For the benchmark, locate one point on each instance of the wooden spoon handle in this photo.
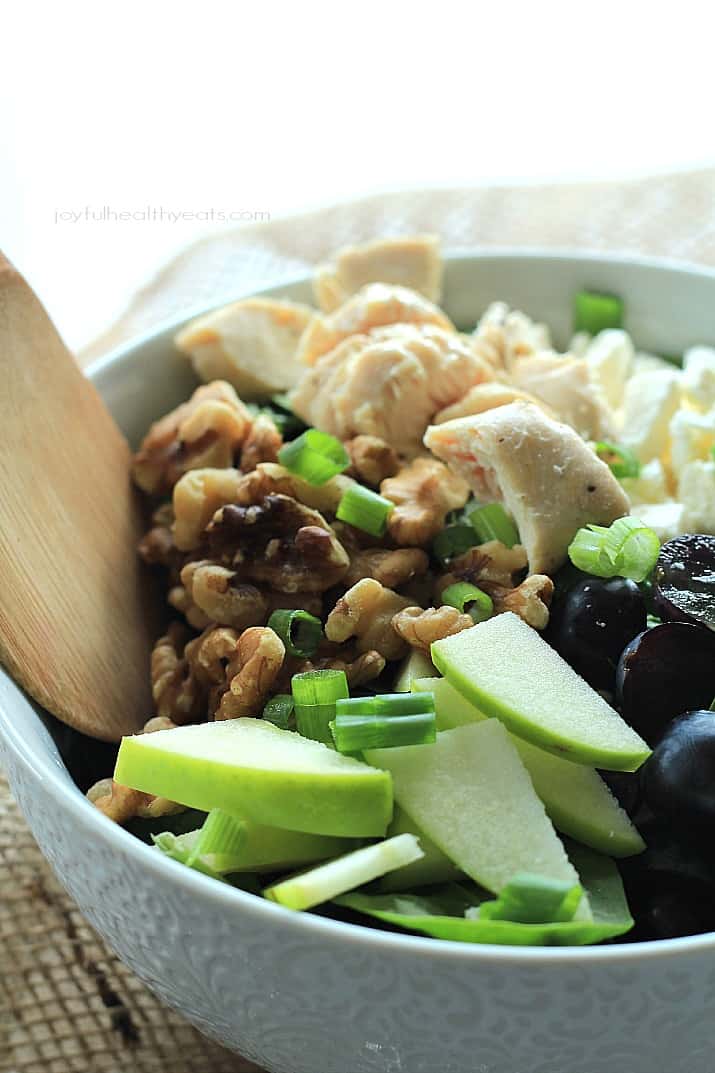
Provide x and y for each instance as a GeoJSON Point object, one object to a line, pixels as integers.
{"type": "Point", "coordinates": [74, 631]}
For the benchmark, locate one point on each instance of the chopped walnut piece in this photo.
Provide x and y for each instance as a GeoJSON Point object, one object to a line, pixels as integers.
{"type": "Point", "coordinates": [530, 600]}
{"type": "Point", "coordinates": [269, 478]}
{"type": "Point", "coordinates": [279, 542]}
{"type": "Point", "coordinates": [179, 597]}
{"type": "Point", "coordinates": [205, 431]}
{"type": "Point", "coordinates": [251, 673]}
{"type": "Point", "coordinates": [118, 803]}
{"type": "Point", "coordinates": [420, 628]}
{"type": "Point", "coordinates": [358, 671]}
{"type": "Point", "coordinates": [392, 567]}
{"type": "Point", "coordinates": [121, 804]}
{"type": "Point", "coordinates": [262, 444]}
{"type": "Point", "coordinates": [197, 497]}
{"type": "Point", "coordinates": [177, 694]}
{"type": "Point", "coordinates": [372, 460]}
{"type": "Point", "coordinates": [223, 599]}
{"type": "Point", "coordinates": [424, 492]}
{"type": "Point", "coordinates": [492, 561]}
{"type": "Point", "coordinates": [365, 612]}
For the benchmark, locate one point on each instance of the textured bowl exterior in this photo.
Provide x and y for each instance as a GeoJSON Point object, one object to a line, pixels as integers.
{"type": "Point", "coordinates": [302, 994]}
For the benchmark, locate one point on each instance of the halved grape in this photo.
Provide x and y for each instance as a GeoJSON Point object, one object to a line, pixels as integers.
{"type": "Point", "coordinates": [593, 622]}
{"type": "Point", "coordinates": [684, 579]}
{"type": "Point", "coordinates": [663, 672]}
{"type": "Point", "coordinates": [679, 776]}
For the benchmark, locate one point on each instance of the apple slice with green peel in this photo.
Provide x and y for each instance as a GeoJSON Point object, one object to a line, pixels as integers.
{"type": "Point", "coordinates": [415, 665]}
{"type": "Point", "coordinates": [433, 867]}
{"type": "Point", "coordinates": [576, 798]}
{"type": "Point", "coordinates": [254, 770]}
{"type": "Point", "coordinates": [261, 849]}
{"type": "Point", "coordinates": [508, 670]}
{"type": "Point", "coordinates": [471, 794]}
{"type": "Point", "coordinates": [336, 877]}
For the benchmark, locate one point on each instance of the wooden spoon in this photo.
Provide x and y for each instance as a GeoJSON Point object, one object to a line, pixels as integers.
{"type": "Point", "coordinates": [74, 631]}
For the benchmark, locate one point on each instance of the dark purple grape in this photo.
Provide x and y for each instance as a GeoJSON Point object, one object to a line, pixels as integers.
{"type": "Point", "coordinates": [593, 622]}
{"type": "Point", "coordinates": [663, 672]}
{"type": "Point", "coordinates": [684, 579]}
{"type": "Point", "coordinates": [679, 776]}
{"type": "Point", "coordinates": [674, 910]}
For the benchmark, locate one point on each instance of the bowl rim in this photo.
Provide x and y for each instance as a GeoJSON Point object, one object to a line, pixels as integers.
{"type": "Point", "coordinates": [225, 896]}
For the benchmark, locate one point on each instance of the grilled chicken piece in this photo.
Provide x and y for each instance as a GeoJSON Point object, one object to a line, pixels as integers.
{"type": "Point", "coordinates": [565, 385]}
{"type": "Point", "coordinates": [486, 397]}
{"type": "Point", "coordinates": [251, 343]}
{"type": "Point", "coordinates": [411, 261]}
{"type": "Point", "coordinates": [388, 384]}
{"type": "Point", "coordinates": [547, 477]}
{"type": "Point", "coordinates": [375, 306]}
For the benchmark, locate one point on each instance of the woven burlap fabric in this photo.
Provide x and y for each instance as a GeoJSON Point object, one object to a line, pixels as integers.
{"type": "Point", "coordinates": [66, 1004]}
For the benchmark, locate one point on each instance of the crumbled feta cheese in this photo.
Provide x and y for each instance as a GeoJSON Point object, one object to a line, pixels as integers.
{"type": "Point", "coordinates": [650, 363]}
{"type": "Point", "coordinates": [692, 436]}
{"type": "Point", "coordinates": [610, 356]}
{"type": "Point", "coordinates": [651, 399]}
{"type": "Point", "coordinates": [665, 519]}
{"type": "Point", "coordinates": [650, 486]}
{"type": "Point", "coordinates": [699, 377]}
{"type": "Point", "coordinates": [697, 491]}
{"type": "Point", "coordinates": [579, 344]}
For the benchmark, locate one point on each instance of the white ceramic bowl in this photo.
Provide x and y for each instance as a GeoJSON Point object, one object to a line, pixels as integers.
{"type": "Point", "coordinates": [304, 994]}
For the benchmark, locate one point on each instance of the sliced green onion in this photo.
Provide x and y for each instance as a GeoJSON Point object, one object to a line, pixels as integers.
{"type": "Point", "coordinates": [594, 312]}
{"type": "Point", "coordinates": [620, 460]}
{"type": "Point", "coordinates": [712, 451]}
{"type": "Point", "coordinates": [387, 705]}
{"type": "Point", "coordinates": [353, 733]}
{"type": "Point", "coordinates": [315, 456]}
{"type": "Point", "coordinates": [653, 620]}
{"type": "Point", "coordinates": [279, 710]}
{"type": "Point", "coordinates": [299, 631]}
{"type": "Point", "coordinates": [469, 598]}
{"type": "Point", "coordinates": [532, 899]}
{"type": "Point", "coordinates": [453, 541]}
{"type": "Point", "coordinates": [628, 548]}
{"type": "Point", "coordinates": [364, 509]}
{"type": "Point", "coordinates": [315, 694]}
{"type": "Point", "coordinates": [491, 522]}
{"type": "Point", "coordinates": [179, 848]}
{"type": "Point", "coordinates": [221, 836]}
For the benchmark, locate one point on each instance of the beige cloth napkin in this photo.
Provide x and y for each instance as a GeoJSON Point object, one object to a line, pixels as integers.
{"type": "Point", "coordinates": [66, 1004]}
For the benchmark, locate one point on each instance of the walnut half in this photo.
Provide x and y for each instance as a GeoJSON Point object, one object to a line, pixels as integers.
{"type": "Point", "coordinates": [365, 612]}
{"type": "Point", "coordinates": [423, 493]}
{"type": "Point", "coordinates": [251, 673]}
{"type": "Point", "coordinates": [420, 628]}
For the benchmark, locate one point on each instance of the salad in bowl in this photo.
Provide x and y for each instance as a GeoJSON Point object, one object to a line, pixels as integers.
{"type": "Point", "coordinates": [439, 651]}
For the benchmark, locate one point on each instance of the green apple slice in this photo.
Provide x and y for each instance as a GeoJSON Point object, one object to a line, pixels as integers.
{"type": "Point", "coordinates": [415, 665]}
{"type": "Point", "coordinates": [346, 873]}
{"type": "Point", "coordinates": [508, 670]}
{"type": "Point", "coordinates": [576, 798]}
{"type": "Point", "coordinates": [471, 794]}
{"type": "Point", "coordinates": [263, 849]}
{"type": "Point", "coordinates": [433, 867]}
{"type": "Point", "coordinates": [254, 770]}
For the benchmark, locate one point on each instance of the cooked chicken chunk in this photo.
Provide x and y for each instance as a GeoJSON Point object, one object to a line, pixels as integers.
{"type": "Point", "coordinates": [504, 335]}
{"type": "Point", "coordinates": [547, 477]}
{"type": "Point", "coordinates": [375, 306]}
{"type": "Point", "coordinates": [389, 384]}
{"type": "Point", "coordinates": [251, 343]}
{"type": "Point", "coordinates": [565, 385]}
{"type": "Point", "coordinates": [411, 261]}
{"type": "Point", "coordinates": [485, 397]}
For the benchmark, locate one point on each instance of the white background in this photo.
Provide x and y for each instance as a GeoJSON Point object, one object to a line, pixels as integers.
{"type": "Point", "coordinates": [275, 107]}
